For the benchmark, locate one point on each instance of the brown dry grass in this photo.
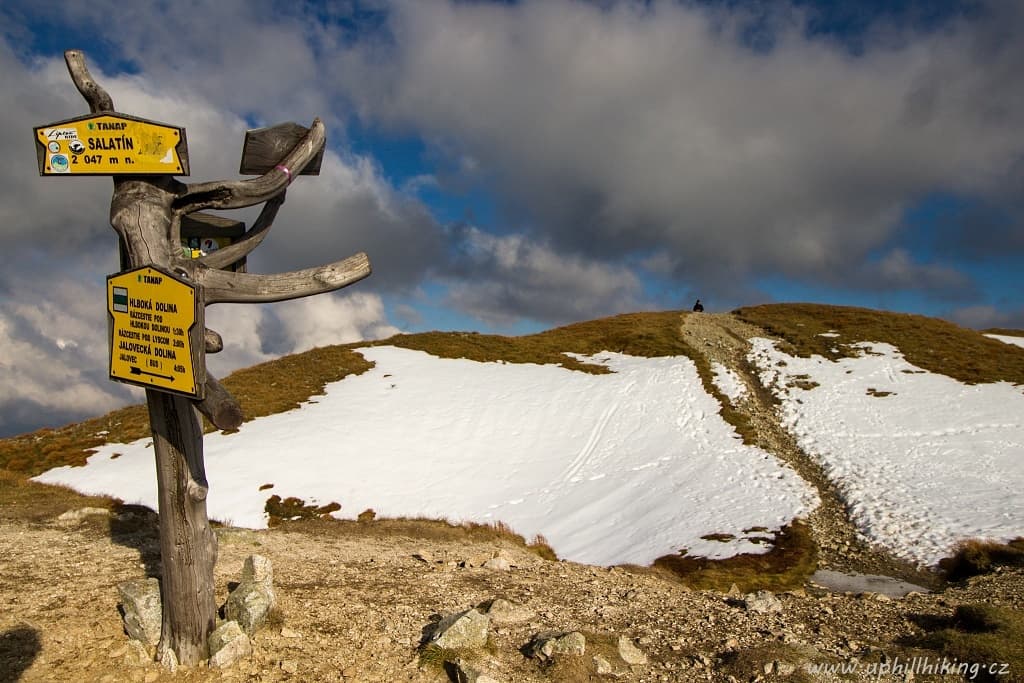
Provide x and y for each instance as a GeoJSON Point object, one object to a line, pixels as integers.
{"type": "Point", "coordinates": [637, 334]}
{"type": "Point", "coordinates": [295, 516]}
{"type": "Point", "coordinates": [929, 343]}
{"type": "Point", "coordinates": [974, 557]}
{"type": "Point", "coordinates": [32, 502]}
{"type": "Point", "coordinates": [265, 389]}
{"type": "Point", "coordinates": [792, 559]}
{"type": "Point", "coordinates": [987, 637]}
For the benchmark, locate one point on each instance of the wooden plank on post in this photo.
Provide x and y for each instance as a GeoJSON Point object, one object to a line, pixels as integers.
{"type": "Point", "coordinates": [265, 148]}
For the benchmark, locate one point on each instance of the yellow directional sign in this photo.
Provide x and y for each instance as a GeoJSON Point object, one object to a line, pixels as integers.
{"type": "Point", "coordinates": [111, 144]}
{"type": "Point", "coordinates": [156, 329]}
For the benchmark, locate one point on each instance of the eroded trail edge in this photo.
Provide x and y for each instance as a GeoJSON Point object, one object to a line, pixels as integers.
{"type": "Point", "coordinates": [723, 338]}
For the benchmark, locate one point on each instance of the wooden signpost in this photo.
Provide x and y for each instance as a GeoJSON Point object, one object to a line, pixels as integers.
{"type": "Point", "coordinates": [155, 306]}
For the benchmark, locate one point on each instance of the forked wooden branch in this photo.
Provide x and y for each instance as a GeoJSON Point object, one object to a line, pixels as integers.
{"type": "Point", "coordinates": [222, 286]}
{"type": "Point", "coordinates": [94, 94]}
{"type": "Point", "coordinates": [253, 237]}
{"type": "Point", "coordinates": [238, 194]}
{"type": "Point", "coordinates": [219, 406]}
{"type": "Point", "coordinates": [212, 341]}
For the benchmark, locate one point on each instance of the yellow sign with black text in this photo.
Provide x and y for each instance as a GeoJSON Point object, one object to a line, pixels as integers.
{"type": "Point", "coordinates": [111, 144]}
{"type": "Point", "coordinates": [156, 324]}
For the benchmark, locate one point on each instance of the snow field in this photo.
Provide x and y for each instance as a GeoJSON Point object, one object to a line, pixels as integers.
{"type": "Point", "coordinates": [616, 468]}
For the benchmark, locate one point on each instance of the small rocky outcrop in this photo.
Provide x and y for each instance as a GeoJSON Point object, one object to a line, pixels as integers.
{"type": "Point", "coordinates": [762, 602]}
{"type": "Point", "coordinates": [76, 516]}
{"type": "Point", "coordinates": [461, 631]}
{"type": "Point", "coordinates": [228, 644]}
{"type": "Point", "coordinates": [630, 653]}
{"type": "Point", "coordinates": [140, 600]}
{"type": "Point", "coordinates": [462, 672]}
{"type": "Point", "coordinates": [503, 612]}
{"type": "Point", "coordinates": [251, 602]}
{"type": "Point", "coordinates": [551, 644]}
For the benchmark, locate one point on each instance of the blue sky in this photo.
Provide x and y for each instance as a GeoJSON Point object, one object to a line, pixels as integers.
{"type": "Point", "coordinates": [512, 166]}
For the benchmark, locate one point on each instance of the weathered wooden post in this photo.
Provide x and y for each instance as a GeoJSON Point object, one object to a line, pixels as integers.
{"type": "Point", "coordinates": [155, 305]}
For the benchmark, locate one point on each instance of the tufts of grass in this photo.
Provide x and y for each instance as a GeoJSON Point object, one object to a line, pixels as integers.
{"type": "Point", "coordinates": [792, 559]}
{"type": "Point", "coordinates": [419, 528]}
{"type": "Point", "coordinates": [982, 635]}
{"type": "Point", "coordinates": [929, 343]}
{"type": "Point", "coordinates": [435, 657]}
{"type": "Point", "coordinates": [291, 509]}
{"type": "Point", "coordinates": [974, 557]}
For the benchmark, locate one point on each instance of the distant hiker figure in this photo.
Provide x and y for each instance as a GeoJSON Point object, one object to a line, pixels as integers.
{"type": "Point", "coordinates": [698, 307]}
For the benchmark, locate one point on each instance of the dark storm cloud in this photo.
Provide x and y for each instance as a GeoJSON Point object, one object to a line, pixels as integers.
{"type": "Point", "coordinates": [647, 127]}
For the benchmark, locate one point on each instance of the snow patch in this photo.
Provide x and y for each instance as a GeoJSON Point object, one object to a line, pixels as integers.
{"type": "Point", "coordinates": [1008, 339]}
{"type": "Point", "coordinates": [923, 460]}
{"type": "Point", "coordinates": [728, 382]}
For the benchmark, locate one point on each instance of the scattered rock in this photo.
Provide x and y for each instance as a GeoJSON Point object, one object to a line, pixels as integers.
{"type": "Point", "coordinates": [503, 612]}
{"type": "Point", "coordinates": [474, 561]}
{"type": "Point", "coordinates": [785, 669]}
{"type": "Point", "coordinates": [169, 660]}
{"type": "Point", "coordinates": [547, 645]}
{"type": "Point", "coordinates": [137, 654]}
{"type": "Point", "coordinates": [290, 666]}
{"type": "Point", "coordinates": [462, 630]}
{"type": "Point", "coordinates": [254, 597]}
{"type": "Point", "coordinates": [602, 666]}
{"type": "Point", "coordinates": [140, 600]}
{"type": "Point", "coordinates": [462, 672]}
{"type": "Point", "coordinates": [630, 653]}
{"type": "Point", "coordinates": [258, 569]}
{"type": "Point", "coordinates": [76, 516]}
{"type": "Point", "coordinates": [290, 633]}
{"type": "Point", "coordinates": [498, 564]}
{"type": "Point", "coordinates": [762, 602]}
{"type": "Point", "coordinates": [228, 644]}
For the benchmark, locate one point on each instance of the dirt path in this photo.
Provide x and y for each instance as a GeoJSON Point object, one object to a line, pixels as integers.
{"type": "Point", "coordinates": [723, 338]}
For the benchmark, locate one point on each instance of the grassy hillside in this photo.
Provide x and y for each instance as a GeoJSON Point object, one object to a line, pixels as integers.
{"type": "Point", "coordinates": [929, 343]}
{"type": "Point", "coordinates": [283, 384]}
{"type": "Point", "coordinates": [638, 334]}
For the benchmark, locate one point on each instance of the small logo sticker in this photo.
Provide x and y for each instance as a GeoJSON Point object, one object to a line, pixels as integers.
{"type": "Point", "coordinates": [76, 146]}
{"type": "Point", "coordinates": [59, 163]}
{"type": "Point", "coordinates": [61, 133]}
{"type": "Point", "coordinates": [53, 146]}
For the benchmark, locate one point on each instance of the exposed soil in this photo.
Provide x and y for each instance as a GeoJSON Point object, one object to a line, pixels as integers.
{"type": "Point", "coordinates": [354, 609]}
